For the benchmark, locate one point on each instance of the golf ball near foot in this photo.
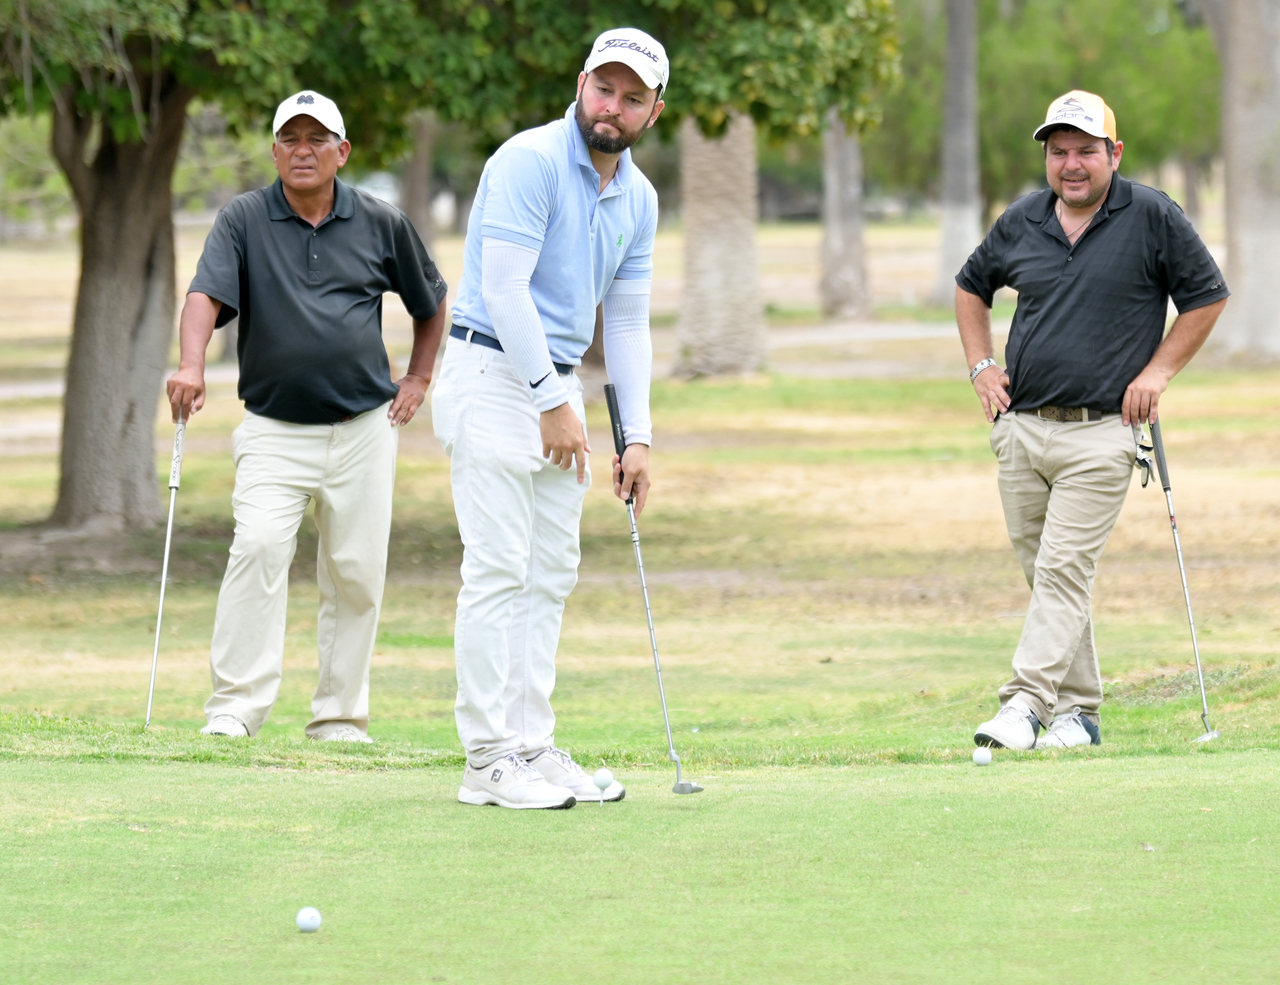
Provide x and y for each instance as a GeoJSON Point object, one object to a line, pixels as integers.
{"type": "Point", "coordinates": [982, 756]}
{"type": "Point", "coordinates": [603, 779]}
{"type": "Point", "coordinates": [308, 919]}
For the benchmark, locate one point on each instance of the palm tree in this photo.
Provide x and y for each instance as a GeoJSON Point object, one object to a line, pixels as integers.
{"type": "Point", "coordinates": [844, 271]}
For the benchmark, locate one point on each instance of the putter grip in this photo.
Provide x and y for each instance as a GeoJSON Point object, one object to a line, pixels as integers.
{"type": "Point", "coordinates": [1161, 464]}
{"type": "Point", "coordinates": [175, 468]}
{"type": "Point", "coordinates": [615, 419]}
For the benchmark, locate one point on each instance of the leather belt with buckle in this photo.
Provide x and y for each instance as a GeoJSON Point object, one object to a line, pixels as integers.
{"type": "Point", "coordinates": [1064, 414]}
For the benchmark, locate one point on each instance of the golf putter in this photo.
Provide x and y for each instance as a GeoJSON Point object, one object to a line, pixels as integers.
{"type": "Point", "coordinates": [620, 445]}
{"type": "Point", "coordinates": [175, 479]}
{"type": "Point", "coordinates": [1162, 465]}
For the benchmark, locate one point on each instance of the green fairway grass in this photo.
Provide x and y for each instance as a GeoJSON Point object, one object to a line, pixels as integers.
{"type": "Point", "coordinates": [1074, 869]}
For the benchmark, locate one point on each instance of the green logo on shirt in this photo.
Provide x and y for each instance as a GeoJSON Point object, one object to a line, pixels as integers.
{"type": "Point", "coordinates": [619, 239]}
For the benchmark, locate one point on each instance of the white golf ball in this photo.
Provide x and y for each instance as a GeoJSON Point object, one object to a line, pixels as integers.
{"type": "Point", "coordinates": [603, 779]}
{"type": "Point", "coordinates": [308, 919]}
{"type": "Point", "coordinates": [981, 756]}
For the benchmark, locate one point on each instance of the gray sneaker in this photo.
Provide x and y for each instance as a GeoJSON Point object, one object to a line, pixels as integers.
{"type": "Point", "coordinates": [559, 768]}
{"type": "Point", "coordinates": [1072, 729]}
{"type": "Point", "coordinates": [1014, 727]}
{"type": "Point", "coordinates": [511, 782]}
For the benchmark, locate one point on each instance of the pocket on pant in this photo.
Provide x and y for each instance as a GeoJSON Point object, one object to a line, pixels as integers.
{"type": "Point", "coordinates": [998, 436]}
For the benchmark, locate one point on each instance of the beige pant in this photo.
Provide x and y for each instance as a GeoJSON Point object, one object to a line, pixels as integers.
{"type": "Point", "coordinates": [349, 470]}
{"type": "Point", "coordinates": [1062, 486]}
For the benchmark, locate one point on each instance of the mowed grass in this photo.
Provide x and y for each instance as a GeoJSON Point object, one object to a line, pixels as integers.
{"type": "Point", "coordinates": [836, 602]}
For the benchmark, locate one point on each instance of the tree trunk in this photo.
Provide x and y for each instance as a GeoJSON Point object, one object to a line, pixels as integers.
{"type": "Point", "coordinates": [721, 326]}
{"type": "Point", "coordinates": [1191, 189]}
{"type": "Point", "coordinates": [1248, 37]}
{"type": "Point", "coordinates": [124, 316]}
{"type": "Point", "coordinates": [844, 270]}
{"type": "Point", "coordinates": [415, 188]}
{"type": "Point", "coordinates": [961, 193]}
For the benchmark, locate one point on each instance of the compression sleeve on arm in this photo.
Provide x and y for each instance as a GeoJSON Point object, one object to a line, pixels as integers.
{"type": "Point", "coordinates": [628, 355]}
{"type": "Point", "coordinates": [505, 272]}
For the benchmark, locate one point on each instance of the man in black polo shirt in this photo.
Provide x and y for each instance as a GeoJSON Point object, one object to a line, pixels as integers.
{"type": "Point", "coordinates": [1095, 259]}
{"type": "Point", "coordinates": [305, 263]}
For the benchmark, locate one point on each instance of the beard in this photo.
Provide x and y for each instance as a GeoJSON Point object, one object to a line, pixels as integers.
{"type": "Point", "coordinates": [598, 141]}
{"type": "Point", "coordinates": [1096, 192]}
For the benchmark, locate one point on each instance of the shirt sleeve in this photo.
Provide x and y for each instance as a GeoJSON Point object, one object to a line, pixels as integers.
{"type": "Point", "coordinates": [412, 272]}
{"type": "Point", "coordinates": [519, 197]}
{"type": "Point", "coordinates": [1190, 273]}
{"type": "Point", "coordinates": [984, 272]}
{"type": "Point", "coordinates": [218, 272]}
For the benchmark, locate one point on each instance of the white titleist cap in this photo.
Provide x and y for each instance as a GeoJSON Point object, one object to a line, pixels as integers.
{"type": "Point", "coordinates": [1085, 111]}
{"type": "Point", "coordinates": [308, 103]}
{"type": "Point", "coordinates": [638, 51]}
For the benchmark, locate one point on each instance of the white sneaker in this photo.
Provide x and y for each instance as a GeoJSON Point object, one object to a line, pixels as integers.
{"type": "Point", "coordinates": [1071, 730]}
{"type": "Point", "coordinates": [558, 767]}
{"type": "Point", "coordinates": [511, 782]}
{"type": "Point", "coordinates": [344, 733]}
{"type": "Point", "coordinates": [227, 725]}
{"type": "Point", "coordinates": [1014, 727]}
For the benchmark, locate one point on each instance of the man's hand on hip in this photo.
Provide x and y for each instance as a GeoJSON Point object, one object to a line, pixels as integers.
{"type": "Point", "coordinates": [992, 387]}
{"type": "Point", "coordinates": [1142, 398]}
{"type": "Point", "coordinates": [186, 391]}
{"type": "Point", "coordinates": [631, 475]}
{"type": "Point", "coordinates": [564, 439]}
{"type": "Point", "coordinates": [413, 390]}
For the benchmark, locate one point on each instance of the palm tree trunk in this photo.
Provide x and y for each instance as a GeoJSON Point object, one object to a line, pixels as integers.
{"type": "Point", "coordinates": [415, 188]}
{"type": "Point", "coordinates": [721, 325]}
{"type": "Point", "coordinates": [961, 194]}
{"type": "Point", "coordinates": [844, 270]}
{"type": "Point", "coordinates": [1248, 36]}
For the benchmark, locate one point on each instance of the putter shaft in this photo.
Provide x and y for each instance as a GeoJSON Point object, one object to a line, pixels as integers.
{"type": "Point", "coordinates": [175, 480]}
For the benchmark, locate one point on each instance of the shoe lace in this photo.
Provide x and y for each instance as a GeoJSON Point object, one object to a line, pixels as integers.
{"type": "Point", "coordinates": [523, 771]}
{"type": "Point", "coordinates": [1058, 724]}
{"type": "Point", "coordinates": [345, 731]}
{"type": "Point", "coordinates": [1012, 711]}
{"type": "Point", "coordinates": [565, 760]}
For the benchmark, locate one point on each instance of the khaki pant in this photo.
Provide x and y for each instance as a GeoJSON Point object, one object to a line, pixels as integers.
{"type": "Point", "coordinates": [349, 470]}
{"type": "Point", "coordinates": [1062, 486]}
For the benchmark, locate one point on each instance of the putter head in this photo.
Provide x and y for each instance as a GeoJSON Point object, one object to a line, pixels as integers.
{"type": "Point", "coordinates": [684, 786]}
{"type": "Point", "coordinates": [1209, 736]}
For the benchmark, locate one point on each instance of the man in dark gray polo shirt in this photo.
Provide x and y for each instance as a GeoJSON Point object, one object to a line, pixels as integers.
{"type": "Point", "coordinates": [305, 263]}
{"type": "Point", "coordinates": [1095, 259]}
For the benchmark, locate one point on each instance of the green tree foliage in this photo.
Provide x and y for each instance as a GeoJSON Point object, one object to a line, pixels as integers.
{"type": "Point", "coordinates": [1159, 74]}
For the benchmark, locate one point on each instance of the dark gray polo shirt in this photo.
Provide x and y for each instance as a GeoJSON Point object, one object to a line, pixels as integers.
{"type": "Point", "coordinates": [1090, 317]}
{"type": "Point", "coordinates": [310, 300]}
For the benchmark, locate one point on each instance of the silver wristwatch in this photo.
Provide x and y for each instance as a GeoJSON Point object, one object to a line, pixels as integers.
{"type": "Point", "coordinates": [985, 364]}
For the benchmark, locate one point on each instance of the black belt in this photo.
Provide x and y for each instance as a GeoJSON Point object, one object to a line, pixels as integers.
{"type": "Point", "coordinates": [1064, 414]}
{"type": "Point", "coordinates": [489, 342]}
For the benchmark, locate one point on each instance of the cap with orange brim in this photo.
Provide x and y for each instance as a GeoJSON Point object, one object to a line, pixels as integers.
{"type": "Point", "coordinates": [1085, 111]}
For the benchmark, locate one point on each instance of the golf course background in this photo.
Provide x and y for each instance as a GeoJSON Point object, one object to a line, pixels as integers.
{"type": "Point", "coordinates": [836, 602]}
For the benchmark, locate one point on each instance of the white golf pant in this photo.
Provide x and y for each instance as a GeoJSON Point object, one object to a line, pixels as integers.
{"type": "Point", "coordinates": [519, 517]}
{"type": "Point", "coordinates": [349, 470]}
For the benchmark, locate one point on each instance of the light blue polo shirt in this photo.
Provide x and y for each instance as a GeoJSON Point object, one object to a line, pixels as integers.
{"type": "Point", "coordinates": [540, 190]}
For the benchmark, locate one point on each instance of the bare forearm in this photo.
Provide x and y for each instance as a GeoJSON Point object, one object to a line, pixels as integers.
{"type": "Point", "coordinates": [426, 344]}
{"type": "Point", "coordinates": [1188, 334]}
{"type": "Point", "coordinates": [974, 318]}
{"type": "Point", "coordinates": [195, 329]}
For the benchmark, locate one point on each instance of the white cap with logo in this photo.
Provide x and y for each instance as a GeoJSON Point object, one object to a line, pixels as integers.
{"type": "Point", "coordinates": [314, 105]}
{"type": "Point", "coordinates": [640, 52]}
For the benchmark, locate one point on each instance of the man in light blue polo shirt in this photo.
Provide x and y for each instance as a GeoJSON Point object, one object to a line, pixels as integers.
{"type": "Point", "coordinates": [563, 224]}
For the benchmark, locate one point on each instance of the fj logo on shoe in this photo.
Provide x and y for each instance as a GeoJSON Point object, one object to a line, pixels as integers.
{"type": "Point", "coordinates": [496, 776]}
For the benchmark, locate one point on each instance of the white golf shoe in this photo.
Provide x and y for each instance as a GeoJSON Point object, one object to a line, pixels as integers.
{"type": "Point", "coordinates": [511, 782]}
{"type": "Point", "coordinates": [1068, 730]}
{"type": "Point", "coordinates": [559, 768]}
{"type": "Point", "coordinates": [343, 733]}
{"type": "Point", "coordinates": [1014, 727]}
{"type": "Point", "coordinates": [227, 725]}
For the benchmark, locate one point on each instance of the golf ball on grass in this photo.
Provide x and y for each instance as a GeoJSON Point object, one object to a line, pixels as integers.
{"type": "Point", "coordinates": [981, 756]}
{"type": "Point", "coordinates": [603, 779]}
{"type": "Point", "coordinates": [308, 919]}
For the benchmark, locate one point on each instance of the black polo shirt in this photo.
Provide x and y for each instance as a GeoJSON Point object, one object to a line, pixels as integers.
{"type": "Point", "coordinates": [1090, 317]}
{"type": "Point", "coordinates": [310, 299]}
